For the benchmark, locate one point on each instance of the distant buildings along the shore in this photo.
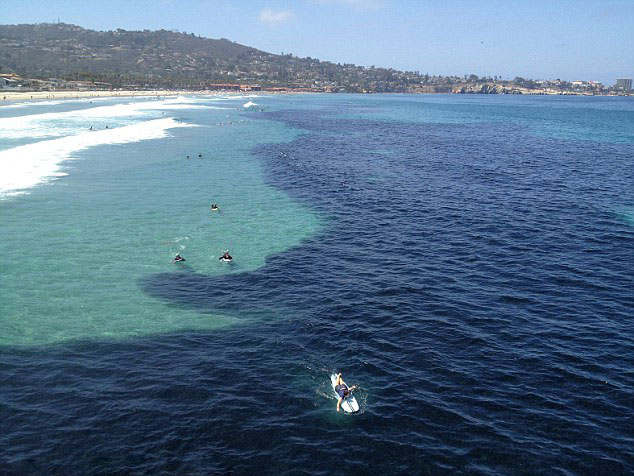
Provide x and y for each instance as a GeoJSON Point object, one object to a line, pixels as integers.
{"type": "Point", "coordinates": [624, 84]}
{"type": "Point", "coordinates": [471, 84]}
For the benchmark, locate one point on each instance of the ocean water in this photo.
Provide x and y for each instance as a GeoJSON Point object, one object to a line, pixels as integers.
{"type": "Point", "coordinates": [467, 261]}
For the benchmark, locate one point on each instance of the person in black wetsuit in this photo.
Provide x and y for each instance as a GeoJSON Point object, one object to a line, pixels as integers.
{"type": "Point", "coordinates": [214, 207]}
{"type": "Point", "coordinates": [178, 258]}
{"type": "Point", "coordinates": [342, 390]}
{"type": "Point", "coordinates": [226, 256]}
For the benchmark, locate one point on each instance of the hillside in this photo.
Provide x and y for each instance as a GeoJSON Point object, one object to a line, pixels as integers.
{"type": "Point", "coordinates": [174, 59]}
{"type": "Point", "coordinates": [62, 56]}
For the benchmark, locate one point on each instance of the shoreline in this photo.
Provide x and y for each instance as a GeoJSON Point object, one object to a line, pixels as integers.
{"type": "Point", "coordinates": [8, 97]}
{"type": "Point", "coordinates": [13, 96]}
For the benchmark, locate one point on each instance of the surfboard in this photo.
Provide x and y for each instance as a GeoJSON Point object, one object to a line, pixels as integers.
{"type": "Point", "coordinates": [349, 405]}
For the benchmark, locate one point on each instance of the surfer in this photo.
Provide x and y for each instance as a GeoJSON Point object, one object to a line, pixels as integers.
{"type": "Point", "coordinates": [214, 207]}
{"type": "Point", "coordinates": [226, 256]}
{"type": "Point", "coordinates": [342, 390]}
{"type": "Point", "coordinates": [178, 258]}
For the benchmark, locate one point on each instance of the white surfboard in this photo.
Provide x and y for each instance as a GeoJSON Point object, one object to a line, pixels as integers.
{"type": "Point", "coordinates": [349, 404]}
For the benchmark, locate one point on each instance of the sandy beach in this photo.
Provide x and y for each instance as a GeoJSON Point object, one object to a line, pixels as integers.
{"type": "Point", "coordinates": [10, 96]}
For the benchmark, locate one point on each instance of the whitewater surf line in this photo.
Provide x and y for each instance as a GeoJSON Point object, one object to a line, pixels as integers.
{"type": "Point", "coordinates": [28, 165]}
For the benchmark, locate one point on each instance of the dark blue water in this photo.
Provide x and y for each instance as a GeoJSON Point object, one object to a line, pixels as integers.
{"type": "Point", "coordinates": [475, 278]}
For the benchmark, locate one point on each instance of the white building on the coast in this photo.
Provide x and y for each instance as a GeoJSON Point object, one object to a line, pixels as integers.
{"type": "Point", "coordinates": [8, 83]}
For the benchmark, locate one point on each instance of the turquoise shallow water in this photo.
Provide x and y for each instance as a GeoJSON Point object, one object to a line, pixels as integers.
{"type": "Point", "coordinates": [80, 244]}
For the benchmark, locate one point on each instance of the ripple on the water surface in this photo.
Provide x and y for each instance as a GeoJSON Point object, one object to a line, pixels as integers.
{"type": "Point", "coordinates": [457, 289]}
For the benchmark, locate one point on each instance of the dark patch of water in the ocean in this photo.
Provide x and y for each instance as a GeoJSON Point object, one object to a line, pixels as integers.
{"type": "Point", "coordinates": [474, 279]}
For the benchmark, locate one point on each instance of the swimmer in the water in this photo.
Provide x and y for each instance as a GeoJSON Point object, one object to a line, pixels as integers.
{"type": "Point", "coordinates": [214, 207]}
{"type": "Point", "coordinates": [226, 256]}
{"type": "Point", "coordinates": [178, 258]}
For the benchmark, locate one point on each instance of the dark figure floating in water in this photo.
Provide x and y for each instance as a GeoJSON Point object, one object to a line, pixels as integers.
{"type": "Point", "coordinates": [214, 207]}
{"type": "Point", "coordinates": [226, 256]}
{"type": "Point", "coordinates": [178, 258]}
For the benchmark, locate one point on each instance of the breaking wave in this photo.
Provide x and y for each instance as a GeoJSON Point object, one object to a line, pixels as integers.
{"type": "Point", "coordinates": [28, 165]}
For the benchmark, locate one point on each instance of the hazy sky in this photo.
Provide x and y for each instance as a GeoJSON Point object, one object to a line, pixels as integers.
{"type": "Point", "coordinates": [567, 39]}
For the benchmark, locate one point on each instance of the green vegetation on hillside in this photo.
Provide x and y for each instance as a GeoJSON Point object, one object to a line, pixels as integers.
{"type": "Point", "coordinates": [56, 53]}
{"type": "Point", "coordinates": [174, 59]}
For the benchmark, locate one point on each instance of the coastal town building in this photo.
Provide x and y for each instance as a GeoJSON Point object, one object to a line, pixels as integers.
{"type": "Point", "coordinates": [624, 84]}
{"type": "Point", "coordinates": [9, 83]}
{"type": "Point", "coordinates": [4, 82]}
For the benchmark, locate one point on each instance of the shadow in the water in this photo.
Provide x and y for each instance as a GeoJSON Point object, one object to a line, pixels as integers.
{"type": "Point", "coordinates": [208, 293]}
{"type": "Point", "coordinates": [272, 288]}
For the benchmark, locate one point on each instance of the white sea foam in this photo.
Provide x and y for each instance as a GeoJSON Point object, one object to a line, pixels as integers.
{"type": "Point", "coordinates": [28, 165]}
{"type": "Point", "coordinates": [232, 97]}
{"type": "Point", "coordinates": [215, 98]}
{"type": "Point", "coordinates": [18, 105]}
{"type": "Point", "coordinates": [249, 104]}
{"type": "Point", "coordinates": [55, 124]}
